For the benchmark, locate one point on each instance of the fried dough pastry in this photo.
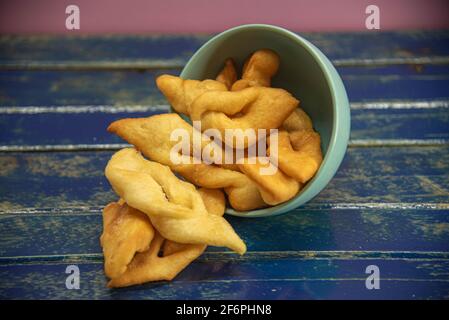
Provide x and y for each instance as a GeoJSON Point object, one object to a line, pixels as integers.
{"type": "Point", "coordinates": [148, 266]}
{"type": "Point", "coordinates": [299, 147]}
{"type": "Point", "coordinates": [228, 75]}
{"type": "Point", "coordinates": [151, 266]}
{"type": "Point", "coordinates": [174, 207]}
{"type": "Point", "coordinates": [214, 200]}
{"type": "Point", "coordinates": [274, 188]}
{"type": "Point", "coordinates": [161, 223]}
{"type": "Point", "coordinates": [152, 137]}
{"type": "Point", "coordinates": [209, 101]}
{"type": "Point", "coordinates": [250, 108]}
{"type": "Point", "coordinates": [181, 93]}
{"type": "Point", "coordinates": [298, 120]}
{"type": "Point", "coordinates": [258, 70]}
{"type": "Point", "coordinates": [215, 203]}
{"type": "Point", "coordinates": [125, 232]}
{"type": "Point", "coordinates": [299, 154]}
{"type": "Point", "coordinates": [299, 151]}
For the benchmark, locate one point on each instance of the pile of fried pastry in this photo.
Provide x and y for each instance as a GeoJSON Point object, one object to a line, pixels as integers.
{"type": "Point", "coordinates": [167, 213]}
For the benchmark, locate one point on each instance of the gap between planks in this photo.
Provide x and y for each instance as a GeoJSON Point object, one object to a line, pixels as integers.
{"type": "Point", "coordinates": [356, 143]}
{"type": "Point", "coordinates": [96, 210]}
{"type": "Point", "coordinates": [379, 105]}
{"type": "Point", "coordinates": [151, 64]}
{"type": "Point", "coordinates": [95, 258]}
{"type": "Point", "coordinates": [113, 109]}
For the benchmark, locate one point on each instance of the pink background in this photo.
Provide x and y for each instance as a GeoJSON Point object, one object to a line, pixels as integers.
{"type": "Point", "coordinates": [176, 16]}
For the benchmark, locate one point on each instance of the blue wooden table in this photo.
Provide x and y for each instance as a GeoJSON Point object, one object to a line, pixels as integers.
{"type": "Point", "coordinates": [387, 206]}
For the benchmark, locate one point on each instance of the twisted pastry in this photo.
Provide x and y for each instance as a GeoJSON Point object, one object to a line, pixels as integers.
{"type": "Point", "coordinates": [299, 147]}
{"type": "Point", "coordinates": [251, 108]}
{"type": "Point", "coordinates": [174, 207]}
{"type": "Point", "coordinates": [181, 93]}
{"type": "Point", "coordinates": [274, 187]}
{"type": "Point", "coordinates": [125, 232]}
{"type": "Point", "coordinates": [228, 75]}
{"type": "Point", "coordinates": [209, 101]}
{"type": "Point", "coordinates": [258, 70]}
{"type": "Point", "coordinates": [148, 265]}
{"type": "Point", "coordinates": [299, 151]}
{"type": "Point", "coordinates": [152, 136]}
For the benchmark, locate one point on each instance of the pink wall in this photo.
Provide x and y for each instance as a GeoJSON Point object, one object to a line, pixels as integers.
{"type": "Point", "coordinates": [165, 16]}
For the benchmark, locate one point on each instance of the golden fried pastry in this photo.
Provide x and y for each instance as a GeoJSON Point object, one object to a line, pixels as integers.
{"type": "Point", "coordinates": [152, 137]}
{"type": "Point", "coordinates": [300, 162]}
{"type": "Point", "coordinates": [299, 147]}
{"type": "Point", "coordinates": [258, 70]}
{"type": "Point", "coordinates": [174, 207]}
{"type": "Point", "coordinates": [301, 165]}
{"type": "Point", "coordinates": [181, 93]}
{"type": "Point", "coordinates": [251, 108]}
{"type": "Point", "coordinates": [299, 154]}
{"type": "Point", "coordinates": [275, 187]}
{"type": "Point", "coordinates": [161, 223]}
{"type": "Point", "coordinates": [125, 232]}
{"type": "Point", "coordinates": [243, 194]}
{"type": "Point", "coordinates": [215, 203]}
{"type": "Point", "coordinates": [208, 101]}
{"type": "Point", "coordinates": [214, 200]}
{"type": "Point", "coordinates": [228, 75]}
{"type": "Point", "coordinates": [298, 120]}
{"type": "Point", "coordinates": [150, 266]}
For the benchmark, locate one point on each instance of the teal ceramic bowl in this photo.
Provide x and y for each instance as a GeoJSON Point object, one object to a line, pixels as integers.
{"type": "Point", "coordinates": [306, 73]}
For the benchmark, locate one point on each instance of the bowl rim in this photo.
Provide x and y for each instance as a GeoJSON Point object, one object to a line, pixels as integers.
{"type": "Point", "coordinates": [340, 121]}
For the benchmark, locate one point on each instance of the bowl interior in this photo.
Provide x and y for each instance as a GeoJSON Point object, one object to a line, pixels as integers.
{"type": "Point", "coordinates": [300, 73]}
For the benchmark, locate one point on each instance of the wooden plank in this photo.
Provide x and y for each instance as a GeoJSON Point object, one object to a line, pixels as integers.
{"type": "Point", "coordinates": [404, 123]}
{"type": "Point", "coordinates": [60, 235]}
{"type": "Point", "coordinates": [174, 50]}
{"type": "Point", "coordinates": [55, 88]}
{"type": "Point", "coordinates": [64, 88]}
{"type": "Point", "coordinates": [261, 279]}
{"type": "Point", "coordinates": [158, 48]}
{"type": "Point", "coordinates": [367, 175]}
{"type": "Point", "coordinates": [63, 127]}
{"type": "Point", "coordinates": [393, 87]}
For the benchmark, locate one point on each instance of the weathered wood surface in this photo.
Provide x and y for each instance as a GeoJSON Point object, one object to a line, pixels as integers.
{"type": "Point", "coordinates": [142, 52]}
{"type": "Point", "coordinates": [262, 278]}
{"type": "Point", "coordinates": [388, 204]}
{"type": "Point", "coordinates": [47, 88]}
{"type": "Point", "coordinates": [61, 235]}
{"type": "Point", "coordinates": [377, 175]}
{"type": "Point", "coordinates": [43, 126]}
{"type": "Point", "coordinates": [367, 175]}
